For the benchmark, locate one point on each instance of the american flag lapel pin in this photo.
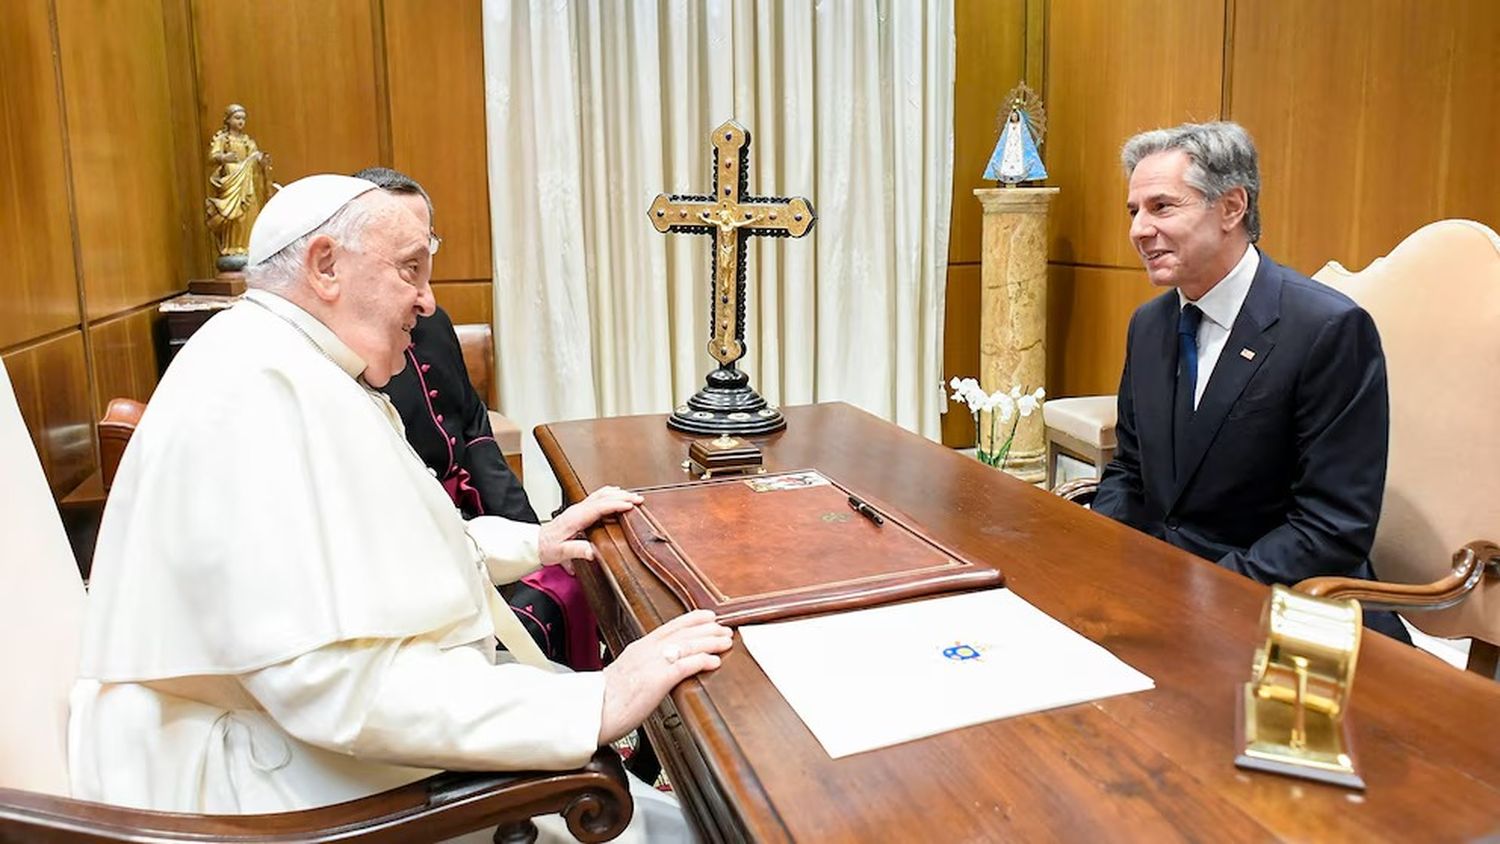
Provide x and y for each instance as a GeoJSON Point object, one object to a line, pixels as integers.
{"type": "Point", "coordinates": [1247, 353]}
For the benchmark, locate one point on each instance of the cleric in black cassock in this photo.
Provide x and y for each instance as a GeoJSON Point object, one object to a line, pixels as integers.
{"type": "Point", "coordinates": [448, 426]}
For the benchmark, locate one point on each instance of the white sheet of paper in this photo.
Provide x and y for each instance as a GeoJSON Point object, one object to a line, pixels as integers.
{"type": "Point", "coordinates": [873, 678]}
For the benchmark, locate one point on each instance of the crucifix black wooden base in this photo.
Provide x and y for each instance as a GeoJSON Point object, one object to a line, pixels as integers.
{"type": "Point", "coordinates": [728, 213]}
{"type": "Point", "coordinates": [727, 404]}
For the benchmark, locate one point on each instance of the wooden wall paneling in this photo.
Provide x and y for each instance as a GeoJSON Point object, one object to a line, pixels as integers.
{"type": "Point", "coordinates": [960, 347]}
{"type": "Point", "coordinates": [1036, 45]}
{"type": "Point", "coordinates": [1088, 316]}
{"type": "Point", "coordinates": [52, 388]}
{"type": "Point", "coordinates": [435, 75]}
{"type": "Point", "coordinates": [1473, 107]}
{"type": "Point", "coordinates": [1114, 69]}
{"type": "Point", "coordinates": [465, 301]}
{"type": "Point", "coordinates": [305, 73]}
{"type": "Point", "coordinates": [189, 143]}
{"type": "Point", "coordinates": [989, 59]}
{"type": "Point", "coordinates": [119, 119]}
{"type": "Point", "coordinates": [126, 356]}
{"type": "Point", "coordinates": [40, 278]}
{"type": "Point", "coordinates": [1371, 121]}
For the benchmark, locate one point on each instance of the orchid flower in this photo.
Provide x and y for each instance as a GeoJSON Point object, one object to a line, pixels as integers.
{"type": "Point", "coordinates": [1004, 407]}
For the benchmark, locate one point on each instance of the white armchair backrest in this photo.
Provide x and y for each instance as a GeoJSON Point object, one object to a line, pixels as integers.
{"type": "Point", "coordinates": [41, 614]}
{"type": "Point", "coordinates": [1436, 301]}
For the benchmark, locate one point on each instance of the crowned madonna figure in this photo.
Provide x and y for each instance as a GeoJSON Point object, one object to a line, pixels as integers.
{"type": "Point", "coordinates": [1015, 158]}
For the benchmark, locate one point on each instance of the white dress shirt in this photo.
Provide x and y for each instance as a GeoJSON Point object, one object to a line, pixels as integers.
{"type": "Point", "coordinates": [1220, 305]}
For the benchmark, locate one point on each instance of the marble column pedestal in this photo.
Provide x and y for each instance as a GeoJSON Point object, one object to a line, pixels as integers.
{"type": "Point", "coordinates": [1013, 313]}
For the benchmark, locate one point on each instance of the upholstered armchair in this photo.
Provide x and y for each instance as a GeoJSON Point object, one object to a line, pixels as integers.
{"type": "Point", "coordinates": [1436, 300]}
{"type": "Point", "coordinates": [42, 603]}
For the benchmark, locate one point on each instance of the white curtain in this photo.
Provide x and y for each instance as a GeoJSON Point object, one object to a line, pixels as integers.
{"type": "Point", "coordinates": [595, 106]}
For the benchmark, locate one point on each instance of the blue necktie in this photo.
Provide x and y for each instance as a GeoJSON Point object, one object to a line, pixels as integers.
{"type": "Point", "coordinates": [1187, 348]}
{"type": "Point", "coordinates": [1187, 384]}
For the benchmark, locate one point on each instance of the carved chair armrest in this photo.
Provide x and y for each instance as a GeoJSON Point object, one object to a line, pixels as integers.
{"type": "Point", "coordinates": [595, 801]}
{"type": "Point", "coordinates": [119, 422]}
{"type": "Point", "coordinates": [1470, 564]}
{"type": "Point", "coordinates": [1080, 491]}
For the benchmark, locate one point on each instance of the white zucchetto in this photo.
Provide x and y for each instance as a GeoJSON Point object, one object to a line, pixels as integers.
{"type": "Point", "coordinates": [299, 208]}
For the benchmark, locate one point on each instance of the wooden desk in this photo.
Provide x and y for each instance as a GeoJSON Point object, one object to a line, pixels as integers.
{"type": "Point", "coordinates": [1152, 766]}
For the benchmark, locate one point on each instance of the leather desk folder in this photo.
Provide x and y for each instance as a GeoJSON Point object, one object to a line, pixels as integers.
{"type": "Point", "coordinates": [789, 544]}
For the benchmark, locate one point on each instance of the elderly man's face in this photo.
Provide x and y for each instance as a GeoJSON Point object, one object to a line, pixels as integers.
{"type": "Point", "coordinates": [1183, 241]}
{"type": "Point", "coordinates": [390, 286]}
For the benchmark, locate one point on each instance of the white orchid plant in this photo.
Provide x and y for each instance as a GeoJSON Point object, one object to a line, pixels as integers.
{"type": "Point", "coordinates": [1002, 407]}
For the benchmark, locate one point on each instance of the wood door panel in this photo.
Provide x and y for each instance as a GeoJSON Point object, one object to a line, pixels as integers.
{"type": "Point", "coordinates": [126, 356]}
{"type": "Point", "coordinates": [989, 59]}
{"type": "Point", "coordinates": [52, 388]}
{"type": "Point", "coordinates": [120, 142]}
{"type": "Point", "coordinates": [435, 63]}
{"type": "Point", "coordinates": [306, 74]}
{"type": "Point", "coordinates": [465, 301]}
{"type": "Point", "coordinates": [41, 280]}
{"type": "Point", "coordinates": [1114, 69]}
{"type": "Point", "coordinates": [960, 348]}
{"type": "Point", "coordinates": [1088, 316]}
{"type": "Point", "coordinates": [1372, 120]}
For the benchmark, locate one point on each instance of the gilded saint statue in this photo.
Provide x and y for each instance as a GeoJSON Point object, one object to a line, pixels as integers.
{"type": "Point", "coordinates": [238, 188]}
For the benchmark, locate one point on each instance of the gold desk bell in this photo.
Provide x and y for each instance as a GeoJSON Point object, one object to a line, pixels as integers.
{"type": "Point", "coordinates": [1292, 710]}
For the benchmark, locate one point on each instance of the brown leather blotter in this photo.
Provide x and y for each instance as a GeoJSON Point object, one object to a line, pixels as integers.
{"type": "Point", "coordinates": [792, 550]}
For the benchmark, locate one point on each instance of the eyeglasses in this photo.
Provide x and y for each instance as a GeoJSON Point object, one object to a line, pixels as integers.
{"type": "Point", "coordinates": [433, 243]}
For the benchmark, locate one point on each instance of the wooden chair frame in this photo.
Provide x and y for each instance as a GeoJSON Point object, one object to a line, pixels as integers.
{"type": "Point", "coordinates": [594, 801]}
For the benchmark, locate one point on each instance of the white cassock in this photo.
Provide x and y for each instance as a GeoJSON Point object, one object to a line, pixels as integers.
{"type": "Point", "coordinates": [287, 611]}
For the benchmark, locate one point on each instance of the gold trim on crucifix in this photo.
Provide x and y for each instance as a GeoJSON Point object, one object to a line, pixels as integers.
{"type": "Point", "coordinates": [732, 216]}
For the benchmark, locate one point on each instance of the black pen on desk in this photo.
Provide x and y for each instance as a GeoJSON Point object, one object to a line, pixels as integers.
{"type": "Point", "coordinates": [866, 510]}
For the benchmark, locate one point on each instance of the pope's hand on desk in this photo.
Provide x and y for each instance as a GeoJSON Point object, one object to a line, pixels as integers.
{"type": "Point", "coordinates": [649, 667]}
{"type": "Point", "coordinates": [559, 542]}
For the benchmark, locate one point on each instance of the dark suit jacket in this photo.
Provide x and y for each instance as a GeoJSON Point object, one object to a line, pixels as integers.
{"type": "Point", "coordinates": [1284, 459]}
{"type": "Point", "coordinates": [447, 423]}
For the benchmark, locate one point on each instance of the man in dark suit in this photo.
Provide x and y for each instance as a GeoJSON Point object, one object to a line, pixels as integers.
{"type": "Point", "coordinates": [1253, 414]}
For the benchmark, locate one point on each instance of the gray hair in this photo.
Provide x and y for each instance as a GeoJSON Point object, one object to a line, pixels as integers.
{"type": "Point", "coordinates": [347, 226]}
{"type": "Point", "coordinates": [396, 182]}
{"type": "Point", "coordinates": [1221, 155]}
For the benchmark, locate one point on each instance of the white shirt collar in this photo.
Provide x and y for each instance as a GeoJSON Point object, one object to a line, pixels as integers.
{"type": "Point", "coordinates": [1221, 304]}
{"type": "Point", "coordinates": [321, 335]}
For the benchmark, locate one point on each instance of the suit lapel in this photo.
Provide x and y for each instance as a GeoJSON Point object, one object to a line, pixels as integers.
{"type": "Point", "coordinates": [1154, 382]}
{"type": "Point", "coordinates": [1252, 330]}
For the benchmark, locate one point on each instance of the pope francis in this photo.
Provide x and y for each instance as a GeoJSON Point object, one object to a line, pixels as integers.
{"type": "Point", "coordinates": [286, 609]}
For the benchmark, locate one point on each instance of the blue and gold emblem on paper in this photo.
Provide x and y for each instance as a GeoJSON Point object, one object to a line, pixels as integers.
{"type": "Point", "coordinates": [961, 652]}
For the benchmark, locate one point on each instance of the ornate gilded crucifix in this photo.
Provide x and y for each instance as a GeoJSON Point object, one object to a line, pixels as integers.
{"type": "Point", "coordinates": [728, 404]}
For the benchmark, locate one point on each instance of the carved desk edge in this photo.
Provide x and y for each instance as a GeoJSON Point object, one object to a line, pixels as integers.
{"type": "Point", "coordinates": [727, 768]}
